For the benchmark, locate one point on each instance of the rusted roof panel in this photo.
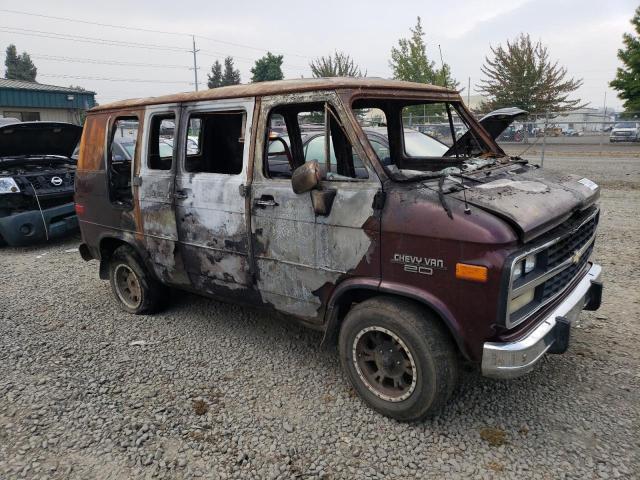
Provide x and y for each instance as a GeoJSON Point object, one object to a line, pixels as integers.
{"type": "Point", "coordinates": [277, 88]}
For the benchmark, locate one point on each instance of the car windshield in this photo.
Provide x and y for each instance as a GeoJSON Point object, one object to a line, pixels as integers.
{"type": "Point", "coordinates": [625, 125]}
{"type": "Point", "coordinates": [424, 139]}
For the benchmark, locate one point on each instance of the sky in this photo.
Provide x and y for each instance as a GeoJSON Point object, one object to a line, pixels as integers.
{"type": "Point", "coordinates": [117, 63]}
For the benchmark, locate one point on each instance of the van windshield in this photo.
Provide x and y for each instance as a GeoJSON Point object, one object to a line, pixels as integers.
{"type": "Point", "coordinates": [422, 139]}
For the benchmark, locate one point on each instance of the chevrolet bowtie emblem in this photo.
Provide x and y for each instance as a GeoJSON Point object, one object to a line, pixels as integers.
{"type": "Point", "coordinates": [575, 258]}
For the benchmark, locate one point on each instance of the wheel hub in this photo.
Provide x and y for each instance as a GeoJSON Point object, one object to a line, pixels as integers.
{"type": "Point", "coordinates": [128, 286]}
{"type": "Point", "coordinates": [384, 363]}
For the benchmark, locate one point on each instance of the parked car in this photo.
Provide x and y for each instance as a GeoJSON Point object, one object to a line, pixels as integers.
{"type": "Point", "coordinates": [571, 132]}
{"type": "Point", "coordinates": [625, 132]}
{"type": "Point", "coordinates": [36, 181]}
{"type": "Point", "coordinates": [8, 121]}
{"type": "Point", "coordinates": [313, 138]}
{"type": "Point", "coordinates": [411, 262]}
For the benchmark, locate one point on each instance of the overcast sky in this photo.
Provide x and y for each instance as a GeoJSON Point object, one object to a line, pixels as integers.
{"type": "Point", "coordinates": [583, 35]}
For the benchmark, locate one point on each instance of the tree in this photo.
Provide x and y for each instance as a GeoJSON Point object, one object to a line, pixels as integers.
{"type": "Point", "coordinates": [522, 75]}
{"type": "Point", "coordinates": [409, 61]}
{"type": "Point", "coordinates": [627, 81]}
{"type": "Point", "coordinates": [267, 68]}
{"type": "Point", "coordinates": [215, 77]}
{"type": "Point", "coordinates": [339, 64]}
{"type": "Point", "coordinates": [230, 76]}
{"type": "Point", "coordinates": [19, 67]}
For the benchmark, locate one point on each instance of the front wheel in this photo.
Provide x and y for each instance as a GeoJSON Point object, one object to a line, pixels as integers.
{"type": "Point", "coordinates": [399, 358]}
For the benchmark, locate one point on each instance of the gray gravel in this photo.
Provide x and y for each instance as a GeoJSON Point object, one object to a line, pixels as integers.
{"type": "Point", "coordinates": [218, 391]}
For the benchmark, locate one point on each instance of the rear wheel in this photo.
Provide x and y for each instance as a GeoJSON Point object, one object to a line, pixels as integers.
{"type": "Point", "coordinates": [399, 358]}
{"type": "Point", "coordinates": [133, 286]}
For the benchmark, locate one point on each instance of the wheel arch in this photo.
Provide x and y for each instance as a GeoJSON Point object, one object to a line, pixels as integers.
{"type": "Point", "coordinates": [109, 243]}
{"type": "Point", "coordinates": [352, 291]}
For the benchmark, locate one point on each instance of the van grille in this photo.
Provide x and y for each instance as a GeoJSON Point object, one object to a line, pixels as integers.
{"type": "Point", "coordinates": [564, 248]}
{"type": "Point", "coordinates": [558, 262]}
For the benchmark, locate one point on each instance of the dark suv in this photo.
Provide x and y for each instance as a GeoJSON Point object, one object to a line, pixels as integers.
{"type": "Point", "coordinates": [37, 177]}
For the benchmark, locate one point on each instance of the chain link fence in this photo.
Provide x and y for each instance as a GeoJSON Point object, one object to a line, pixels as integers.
{"type": "Point", "coordinates": [552, 133]}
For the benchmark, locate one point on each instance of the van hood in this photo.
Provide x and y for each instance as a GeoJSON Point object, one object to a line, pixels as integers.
{"type": "Point", "coordinates": [39, 138]}
{"type": "Point", "coordinates": [533, 200]}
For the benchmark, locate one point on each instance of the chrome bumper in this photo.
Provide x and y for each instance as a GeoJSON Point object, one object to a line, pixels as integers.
{"type": "Point", "coordinates": [513, 359]}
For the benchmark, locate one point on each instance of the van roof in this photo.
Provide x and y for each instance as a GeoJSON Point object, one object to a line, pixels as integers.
{"type": "Point", "coordinates": [276, 88]}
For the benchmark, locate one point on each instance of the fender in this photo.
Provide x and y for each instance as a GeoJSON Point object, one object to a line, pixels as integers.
{"type": "Point", "coordinates": [373, 287]}
{"type": "Point", "coordinates": [126, 238]}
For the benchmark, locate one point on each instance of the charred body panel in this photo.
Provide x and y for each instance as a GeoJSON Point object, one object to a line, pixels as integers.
{"type": "Point", "coordinates": [301, 256]}
{"type": "Point", "coordinates": [37, 177]}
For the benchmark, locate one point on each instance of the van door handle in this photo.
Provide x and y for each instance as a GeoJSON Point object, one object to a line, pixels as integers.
{"type": "Point", "coordinates": [265, 201]}
{"type": "Point", "coordinates": [180, 194]}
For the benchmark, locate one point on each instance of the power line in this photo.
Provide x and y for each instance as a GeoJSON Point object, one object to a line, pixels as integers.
{"type": "Point", "coordinates": [94, 61]}
{"type": "Point", "coordinates": [80, 38]}
{"type": "Point", "coordinates": [135, 80]}
{"type": "Point", "coordinates": [147, 30]}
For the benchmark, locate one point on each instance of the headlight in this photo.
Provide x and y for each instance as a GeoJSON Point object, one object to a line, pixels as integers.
{"type": "Point", "coordinates": [524, 266]}
{"type": "Point", "coordinates": [8, 185]}
{"type": "Point", "coordinates": [520, 301]}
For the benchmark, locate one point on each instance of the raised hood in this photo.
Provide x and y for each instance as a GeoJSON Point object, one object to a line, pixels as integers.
{"type": "Point", "coordinates": [533, 200]}
{"type": "Point", "coordinates": [39, 138]}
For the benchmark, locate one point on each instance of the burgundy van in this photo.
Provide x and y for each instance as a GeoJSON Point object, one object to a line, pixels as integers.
{"type": "Point", "coordinates": [415, 252]}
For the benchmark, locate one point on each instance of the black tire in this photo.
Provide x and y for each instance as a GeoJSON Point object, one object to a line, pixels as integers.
{"type": "Point", "coordinates": [147, 295]}
{"type": "Point", "coordinates": [430, 352]}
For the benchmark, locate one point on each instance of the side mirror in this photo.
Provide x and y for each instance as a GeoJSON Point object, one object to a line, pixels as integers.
{"type": "Point", "coordinates": [306, 177]}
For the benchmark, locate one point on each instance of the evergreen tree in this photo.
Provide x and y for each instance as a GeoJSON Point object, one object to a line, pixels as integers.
{"type": "Point", "coordinates": [19, 67]}
{"type": "Point", "coordinates": [627, 81]}
{"type": "Point", "coordinates": [409, 61]}
{"type": "Point", "coordinates": [339, 64]}
{"type": "Point", "coordinates": [267, 68]}
{"type": "Point", "coordinates": [215, 77]}
{"type": "Point", "coordinates": [522, 75]}
{"type": "Point", "coordinates": [230, 76]}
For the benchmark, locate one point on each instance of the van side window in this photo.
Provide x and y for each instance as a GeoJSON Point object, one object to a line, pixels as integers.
{"type": "Point", "coordinates": [297, 134]}
{"type": "Point", "coordinates": [120, 158]}
{"type": "Point", "coordinates": [161, 142]}
{"type": "Point", "coordinates": [215, 142]}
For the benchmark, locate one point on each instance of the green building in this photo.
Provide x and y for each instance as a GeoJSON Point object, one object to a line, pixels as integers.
{"type": "Point", "coordinates": [32, 101]}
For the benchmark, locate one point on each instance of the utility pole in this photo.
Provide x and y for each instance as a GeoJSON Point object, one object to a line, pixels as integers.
{"type": "Point", "coordinates": [195, 62]}
{"type": "Point", "coordinates": [604, 116]}
{"type": "Point", "coordinates": [469, 93]}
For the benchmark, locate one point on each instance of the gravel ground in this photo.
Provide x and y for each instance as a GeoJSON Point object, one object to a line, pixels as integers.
{"type": "Point", "coordinates": [218, 391]}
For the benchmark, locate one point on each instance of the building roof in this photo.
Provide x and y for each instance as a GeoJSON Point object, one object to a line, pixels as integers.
{"type": "Point", "coordinates": [25, 85]}
{"type": "Point", "coordinates": [277, 88]}
{"type": "Point", "coordinates": [19, 93]}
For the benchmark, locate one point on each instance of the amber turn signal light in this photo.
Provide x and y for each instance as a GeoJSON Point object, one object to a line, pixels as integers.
{"type": "Point", "coordinates": [475, 273]}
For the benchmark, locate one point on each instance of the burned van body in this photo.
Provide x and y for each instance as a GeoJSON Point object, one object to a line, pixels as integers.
{"type": "Point", "coordinates": [37, 177]}
{"type": "Point", "coordinates": [414, 255]}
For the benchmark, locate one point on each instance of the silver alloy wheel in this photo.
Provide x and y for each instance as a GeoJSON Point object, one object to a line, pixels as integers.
{"type": "Point", "coordinates": [127, 286]}
{"type": "Point", "coordinates": [384, 364]}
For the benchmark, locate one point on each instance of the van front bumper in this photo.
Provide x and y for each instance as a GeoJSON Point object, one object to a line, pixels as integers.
{"type": "Point", "coordinates": [513, 359]}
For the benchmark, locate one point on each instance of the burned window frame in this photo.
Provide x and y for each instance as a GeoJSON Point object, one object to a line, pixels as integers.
{"type": "Point", "coordinates": [297, 147]}
{"type": "Point", "coordinates": [395, 122]}
{"type": "Point", "coordinates": [160, 116]}
{"type": "Point", "coordinates": [111, 135]}
{"type": "Point", "coordinates": [222, 109]}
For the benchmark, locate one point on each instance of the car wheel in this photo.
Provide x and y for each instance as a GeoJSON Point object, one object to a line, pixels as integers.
{"type": "Point", "coordinates": [399, 357]}
{"type": "Point", "coordinates": [133, 286]}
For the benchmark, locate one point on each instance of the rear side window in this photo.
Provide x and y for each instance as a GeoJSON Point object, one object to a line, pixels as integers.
{"type": "Point", "coordinates": [161, 142]}
{"type": "Point", "coordinates": [215, 142]}
{"type": "Point", "coordinates": [120, 158]}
